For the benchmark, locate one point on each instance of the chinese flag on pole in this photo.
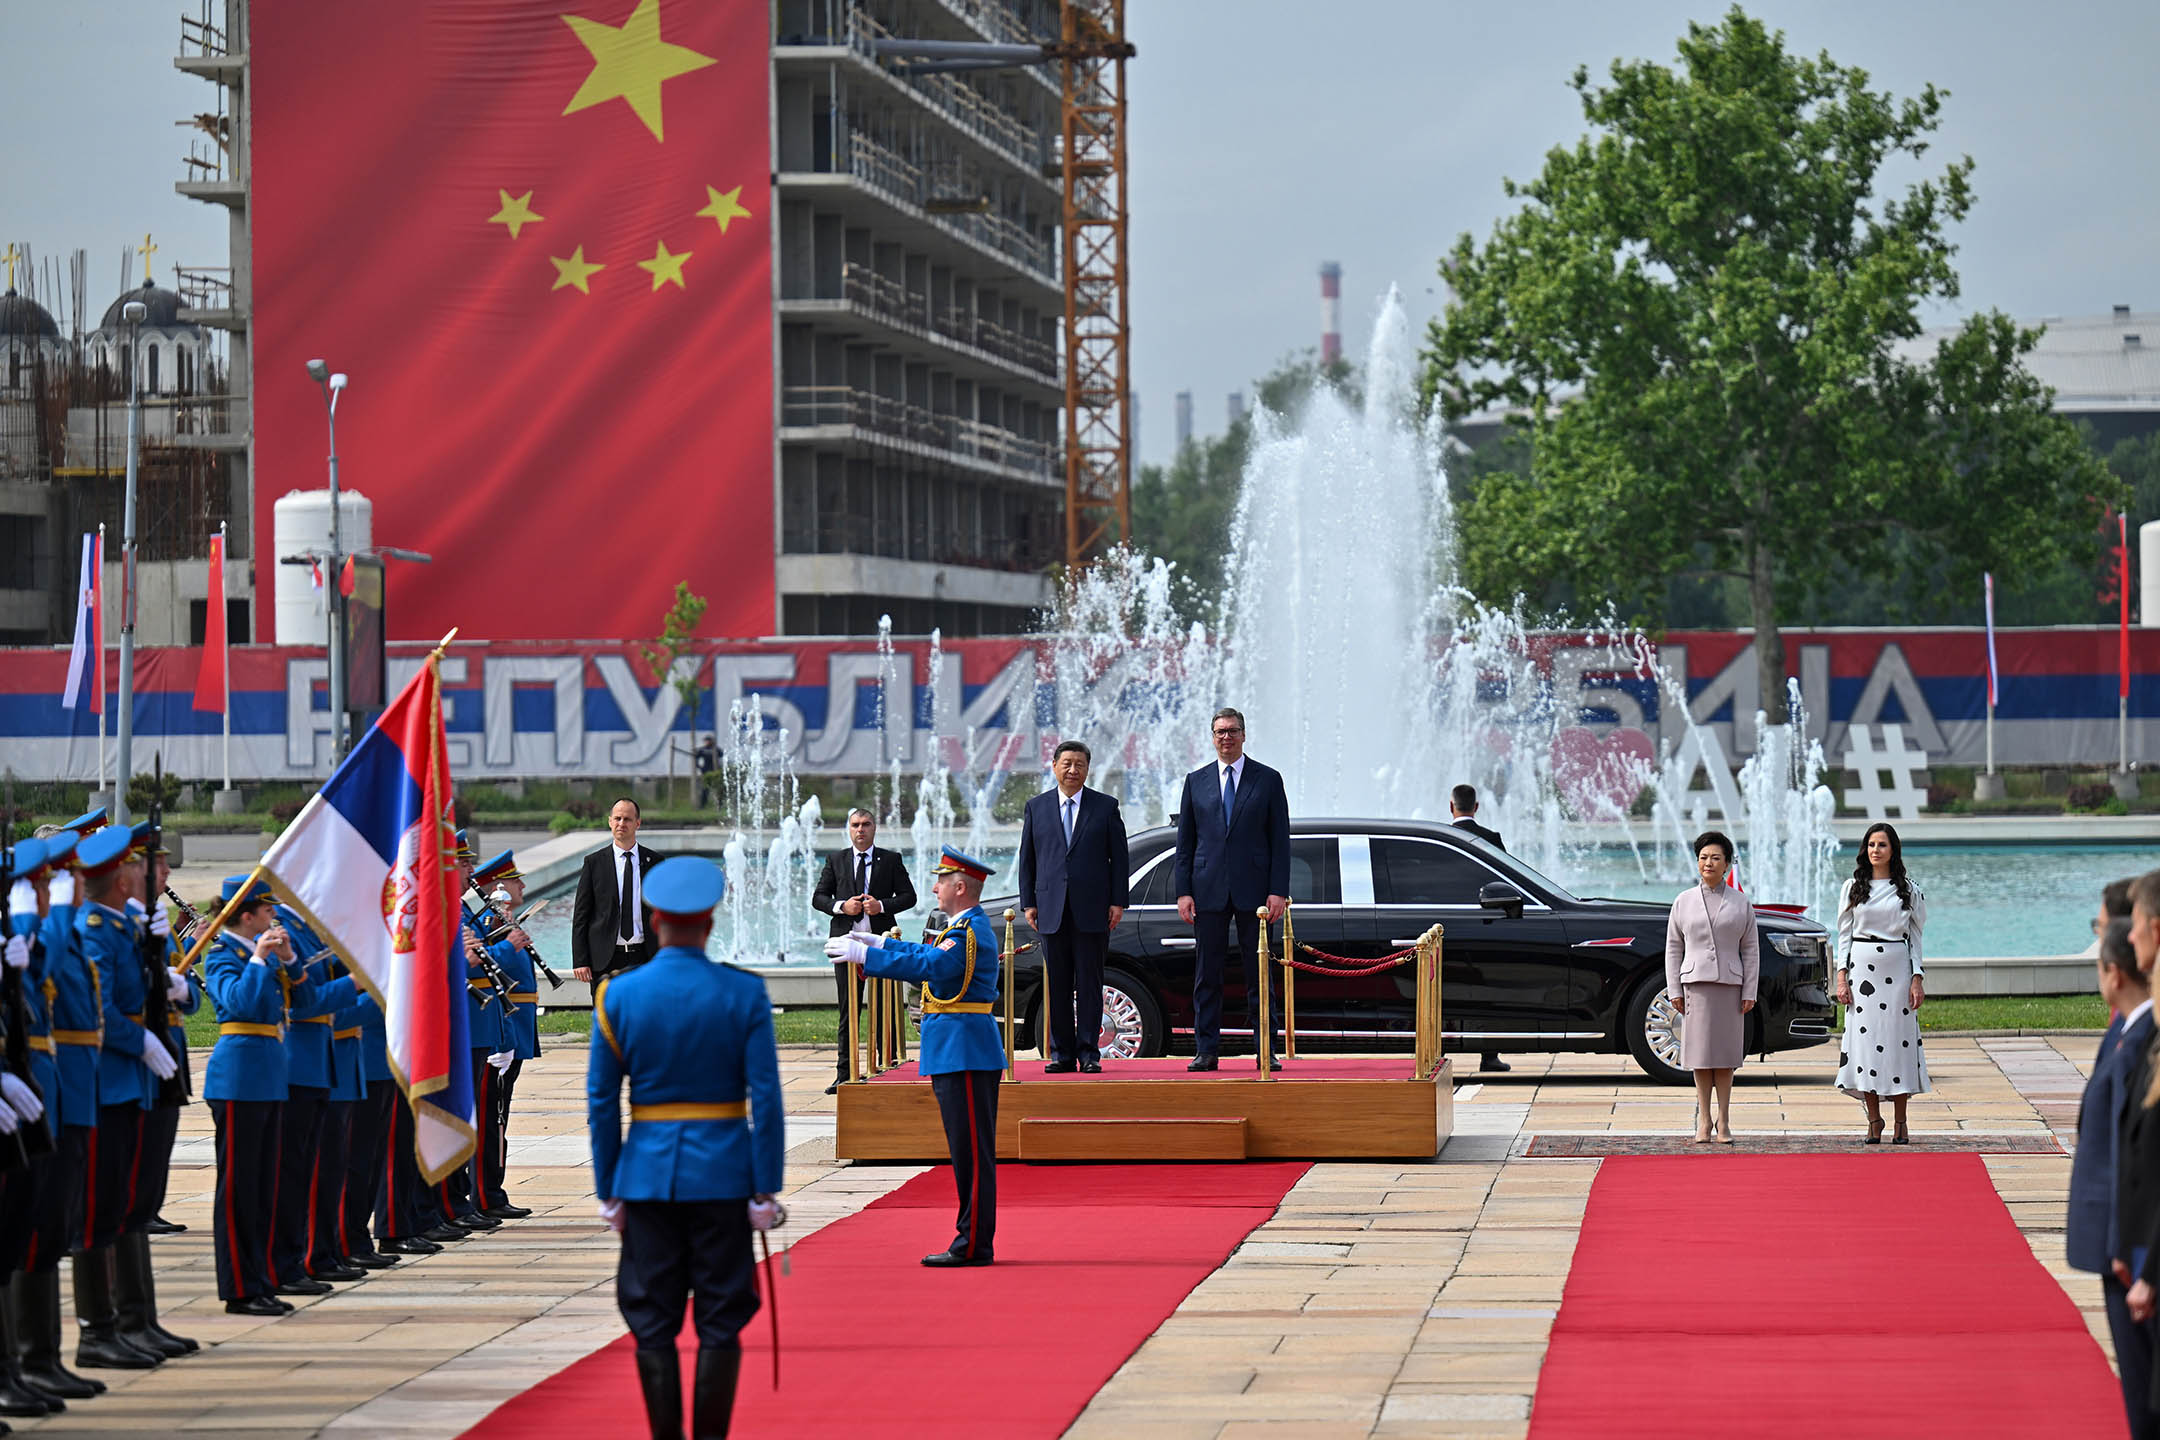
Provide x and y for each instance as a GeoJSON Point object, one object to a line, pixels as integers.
{"type": "Point", "coordinates": [536, 234]}
{"type": "Point", "coordinates": [210, 679]}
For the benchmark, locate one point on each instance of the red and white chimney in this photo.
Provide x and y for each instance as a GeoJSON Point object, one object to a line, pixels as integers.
{"type": "Point", "coordinates": [1330, 312]}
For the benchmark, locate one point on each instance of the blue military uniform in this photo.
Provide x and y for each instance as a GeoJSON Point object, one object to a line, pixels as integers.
{"type": "Point", "coordinates": [497, 1089]}
{"type": "Point", "coordinates": [694, 1040]}
{"type": "Point", "coordinates": [309, 1075]}
{"type": "Point", "coordinates": [962, 1052]}
{"type": "Point", "coordinates": [29, 1049]}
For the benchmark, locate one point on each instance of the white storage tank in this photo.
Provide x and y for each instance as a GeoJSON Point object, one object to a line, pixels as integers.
{"type": "Point", "coordinates": [2148, 543]}
{"type": "Point", "coordinates": [300, 522]}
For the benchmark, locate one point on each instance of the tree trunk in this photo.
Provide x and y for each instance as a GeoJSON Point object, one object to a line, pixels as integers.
{"type": "Point", "coordinates": [1769, 644]}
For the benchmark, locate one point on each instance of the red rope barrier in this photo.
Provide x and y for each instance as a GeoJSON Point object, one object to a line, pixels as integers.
{"type": "Point", "coordinates": [1346, 966]}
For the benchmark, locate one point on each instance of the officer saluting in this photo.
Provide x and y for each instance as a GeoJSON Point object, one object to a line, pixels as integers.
{"type": "Point", "coordinates": [705, 1149]}
{"type": "Point", "coordinates": [961, 1051]}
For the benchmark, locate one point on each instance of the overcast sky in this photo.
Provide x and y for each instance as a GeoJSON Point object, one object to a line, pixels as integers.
{"type": "Point", "coordinates": [1270, 135]}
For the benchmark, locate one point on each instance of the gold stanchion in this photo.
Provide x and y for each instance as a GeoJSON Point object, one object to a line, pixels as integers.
{"type": "Point", "coordinates": [1289, 989]}
{"type": "Point", "coordinates": [1011, 950]}
{"type": "Point", "coordinates": [1428, 1002]}
{"type": "Point", "coordinates": [848, 1037]}
{"type": "Point", "coordinates": [1264, 1029]}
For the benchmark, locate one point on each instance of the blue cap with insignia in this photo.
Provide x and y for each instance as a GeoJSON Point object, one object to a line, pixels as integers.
{"type": "Point", "coordinates": [104, 850]}
{"type": "Point", "coordinates": [685, 885]}
{"type": "Point", "coordinates": [955, 862]}
{"type": "Point", "coordinates": [139, 839]}
{"type": "Point", "coordinates": [465, 853]}
{"type": "Point", "coordinates": [86, 822]}
{"type": "Point", "coordinates": [259, 890]}
{"type": "Point", "coordinates": [26, 857]}
{"type": "Point", "coordinates": [59, 845]}
{"type": "Point", "coordinates": [502, 867]}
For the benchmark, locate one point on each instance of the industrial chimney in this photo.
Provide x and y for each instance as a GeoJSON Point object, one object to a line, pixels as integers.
{"type": "Point", "coordinates": [1330, 312]}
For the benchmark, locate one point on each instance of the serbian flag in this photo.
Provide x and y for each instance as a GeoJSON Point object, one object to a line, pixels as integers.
{"type": "Point", "coordinates": [210, 678]}
{"type": "Point", "coordinates": [538, 235]}
{"type": "Point", "coordinates": [86, 661]}
{"type": "Point", "coordinates": [370, 865]}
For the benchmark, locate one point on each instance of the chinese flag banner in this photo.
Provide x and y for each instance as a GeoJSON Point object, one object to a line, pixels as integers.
{"type": "Point", "coordinates": [537, 238]}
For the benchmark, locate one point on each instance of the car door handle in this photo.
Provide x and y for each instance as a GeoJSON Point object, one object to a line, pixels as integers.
{"type": "Point", "coordinates": [1172, 942]}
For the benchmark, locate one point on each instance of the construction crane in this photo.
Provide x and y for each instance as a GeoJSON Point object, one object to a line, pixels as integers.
{"type": "Point", "coordinates": [1090, 53]}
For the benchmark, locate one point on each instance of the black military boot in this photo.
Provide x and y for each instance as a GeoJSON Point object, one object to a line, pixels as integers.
{"type": "Point", "coordinates": [98, 1345]}
{"type": "Point", "coordinates": [17, 1395]}
{"type": "Point", "coordinates": [136, 1284]}
{"type": "Point", "coordinates": [659, 1375]}
{"type": "Point", "coordinates": [35, 1299]}
{"type": "Point", "coordinates": [712, 1399]}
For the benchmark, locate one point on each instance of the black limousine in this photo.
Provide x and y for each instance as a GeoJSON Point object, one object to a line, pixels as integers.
{"type": "Point", "coordinates": [1526, 966]}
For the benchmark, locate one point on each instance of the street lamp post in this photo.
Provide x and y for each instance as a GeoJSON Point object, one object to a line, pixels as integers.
{"type": "Point", "coordinates": [333, 385]}
{"type": "Point", "coordinates": [134, 312]}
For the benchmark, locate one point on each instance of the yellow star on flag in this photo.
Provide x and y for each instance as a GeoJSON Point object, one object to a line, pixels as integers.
{"type": "Point", "coordinates": [516, 214]}
{"type": "Point", "coordinates": [574, 271]}
{"type": "Point", "coordinates": [723, 208]}
{"type": "Point", "coordinates": [665, 267]}
{"type": "Point", "coordinates": [631, 63]}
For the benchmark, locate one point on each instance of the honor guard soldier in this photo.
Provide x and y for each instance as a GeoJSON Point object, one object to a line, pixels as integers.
{"type": "Point", "coordinates": [961, 1051]}
{"type": "Point", "coordinates": [67, 987]}
{"type": "Point", "coordinates": [254, 980]}
{"type": "Point", "coordinates": [308, 1078]}
{"type": "Point", "coordinates": [183, 998]}
{"type": "Point", "coordinates": [505, 887]}
{"type": "Point", "coordinates": [26, 1080]}
{"type": "Point", "coordinates": [705, 1149]}
{"type": "Point", "coordinates": [132, 1063]}
{"type": "Point", "coordinates": [341, 1238]}
{"type": "Point", "coordinates": [488, 1033]}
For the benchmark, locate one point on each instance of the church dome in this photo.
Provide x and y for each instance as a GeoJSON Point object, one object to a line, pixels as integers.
{"type": "Point", "coordinates": [163, 307]}
{"type": "Point", "coordinates": [20, 315]}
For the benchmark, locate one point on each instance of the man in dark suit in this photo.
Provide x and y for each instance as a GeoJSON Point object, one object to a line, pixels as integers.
{"type": "Point", "coordinates": [1233, 856]}
{"type": "Point", "coordinates": [863, 888]}
{"type": "Point", "coordinates": [1462, 806]}
{"type": "Point", "coordinates": [1073, 872]}
{"type": "Point", "coordinates": [610, 923]}
{"type": "Point", "coordinates": [2089, 1229]}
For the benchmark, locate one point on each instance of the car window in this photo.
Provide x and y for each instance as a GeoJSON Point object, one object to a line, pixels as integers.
{"type": "Point", "coordinates": [1154, 887]}
{"type": "Point", "coordinates": [1314, 879]}
{"type": "Point", "coordinates": [1426, 872]}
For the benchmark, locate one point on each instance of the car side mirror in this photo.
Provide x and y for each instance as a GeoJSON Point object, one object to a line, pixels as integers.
{"type": "Point", "coordinates": [1499, 895]}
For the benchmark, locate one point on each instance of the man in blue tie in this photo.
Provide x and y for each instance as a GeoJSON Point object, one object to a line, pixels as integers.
{"type": "Point", "coordinates": [1073, 873]}
{"type": "Point", "coordinates": [1233, 857]}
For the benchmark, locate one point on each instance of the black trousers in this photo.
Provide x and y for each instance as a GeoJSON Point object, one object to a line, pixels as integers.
{"type": "Point", "coordinates": [112, 1174]}
{"type": "Point", "coordinates": [408, 1204]}
{"type": "Point", "coordinates": [967, 1101]}
{"type": "Point", "coordinates": [326, 1188]}
{"type": "Point", "coordinates": [453, 1194]}
{"type": "Point", "coordinates": [678, 1250]}
{"type": "Point", "coordinates": [367, 1131]}
{"type": "Point", "coordinates": [1214, 959]}
{"type": "Point", "coordinates": [160, 1128]}
{"type": "Point", "coordinates": [302, 1131]}
{"type": "Point", "coordinates": [492, 1152]}
{"type": "Point", "coordinates": [248, 1155]}
{"type": "Point", "coordinates": [56, 1219]}
{"type": "Point", "coordinates": [2133, 1359]}
{"type": "Point", "coordinates": [20, 1190]}
{"type": "Point", "coordinates": [840, 988]}
{"type": "Point", "coordinates": [1072, 979]}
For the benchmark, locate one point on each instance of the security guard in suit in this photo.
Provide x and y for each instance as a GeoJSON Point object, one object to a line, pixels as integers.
{"type": "Point", "coordinates": [498, 1082]}
{"type": "Point", "coordinates": [962, 1050]}
{"type": "Point", "coordinates": [255, 979]}
{"type": "Point", "coordinates": [705, 1150]}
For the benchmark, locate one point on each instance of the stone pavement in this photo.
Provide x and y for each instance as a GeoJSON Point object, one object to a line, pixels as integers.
{"type": "Point", "coordinates": [1383, 1300]}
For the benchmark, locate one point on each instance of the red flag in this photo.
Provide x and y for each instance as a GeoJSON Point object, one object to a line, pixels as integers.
{"type": "Point", "coordinates": [537, 236]}
{"type": "Point", "coordinates": [345, 579]}
{"type": "Point", "coordinates": [210, 679]}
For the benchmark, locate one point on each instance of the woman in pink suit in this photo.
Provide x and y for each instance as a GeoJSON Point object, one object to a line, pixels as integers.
{"type": "Point", "coordinates": [1710, 974]}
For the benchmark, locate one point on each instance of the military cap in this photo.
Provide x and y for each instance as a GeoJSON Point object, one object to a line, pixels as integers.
{"type": "Point", "coordinates": [139, 839]}
{"type": "Point", "coordinates": [465, 853]}
{"type": "Point", "coordinates": [685, 885]}
{"type": "Point", "coordinates": [86, 822]}
{"type": "Point", "coordinates": [955, 862]}
{"type": "Point", "coordinates": [259, 889]}
{"type": "Point", "coordinates": [104, 849]}
{"type": "Point", "coordinates": [27, 857]}
{"type": "Point", "coordinates": [502, 867]}
{"type": "Point", "coordinates": [59, 846]}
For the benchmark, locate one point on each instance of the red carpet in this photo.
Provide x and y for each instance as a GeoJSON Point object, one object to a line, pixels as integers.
{"type": "Point", "coordinates": [1239, 1067]}
{"type": "Point", "coordinates": [1793, 1297]}
{"type": "Point", "coordinates": [1091, 1259]}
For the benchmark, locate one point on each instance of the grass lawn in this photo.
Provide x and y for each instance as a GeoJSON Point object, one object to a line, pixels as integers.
{"type": "Point", "coordinates": [790, 1027]}
{"type": "Point", "coordinates": [2014, 1012]}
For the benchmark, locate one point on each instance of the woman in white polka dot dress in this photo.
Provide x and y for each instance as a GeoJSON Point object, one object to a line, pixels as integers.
{"type": "Point", "coordinates": [1879, 918]}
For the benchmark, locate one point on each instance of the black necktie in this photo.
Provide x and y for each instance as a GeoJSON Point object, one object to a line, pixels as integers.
{"type": "Point", "coordinates": [629, 897]}
{"type": "Point", "coordinates": [862, 873]}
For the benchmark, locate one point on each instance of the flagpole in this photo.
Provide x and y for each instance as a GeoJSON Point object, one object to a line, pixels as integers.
{"type": "Point", "coordinates": [97, 633]}
{"type": "Point", "coordinates": [2122, 689]}
{"type": "Point", "coordinates": [195, 951]}
{"type": "Point", "coordinates": [225, 659]}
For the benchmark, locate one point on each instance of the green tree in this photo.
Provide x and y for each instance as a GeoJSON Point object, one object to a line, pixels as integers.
{"type": "Point", "coordinates": [1698, 307]}
{"type": "Point", "coordinates": [677, 628]}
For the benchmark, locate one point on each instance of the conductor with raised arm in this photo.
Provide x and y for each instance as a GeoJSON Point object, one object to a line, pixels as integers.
{"type": "Point", "coordinates": [1073, 872]}
{"type": "Point", "coordinates": [1233, 857]}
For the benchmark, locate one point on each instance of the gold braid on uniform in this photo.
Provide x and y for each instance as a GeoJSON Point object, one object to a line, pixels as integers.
{"type": "Point", "coordinates": [967, 976]}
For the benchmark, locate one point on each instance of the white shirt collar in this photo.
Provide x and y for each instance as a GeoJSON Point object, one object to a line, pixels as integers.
{"type": "Point", "coordinates": [1235, 767]}
{"type": "Point", "coordinates": [861, 849]}
{"type": "Point", "coordinates": [2133, 1016]}
{"type": "Point", "coordinates": [619, 850]}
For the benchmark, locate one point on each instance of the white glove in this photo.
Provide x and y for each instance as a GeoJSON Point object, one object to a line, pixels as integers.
{"type": "Point", "coordinates": [160, 922]}
{"type": "Point", "coordinates": [501, 1060]}
{"type": "Point", "coordinates": [21, 1099]}
{"type": "Point", "coordinates": [8, 1120]}
{"type": "Point", "coordinates": [22, 898]}
{"type": "Point", "coordinates": [61, 888]}
{"type": "Point", "coordinates": [157, 1057]}
{"type": "Point", "coordinates": [612, 1212]}
{"type": "Point", "coordinates": [766, 1212]}
{"type": "Point", "coordinates": [18, 951]}
{"type": "Point", "coordinates": [840, 949]}
{"type": "Point", "coordinates": [176, 985]}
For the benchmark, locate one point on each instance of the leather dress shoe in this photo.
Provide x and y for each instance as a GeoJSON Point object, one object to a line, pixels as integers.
{"type": "Point", "coordinates": [446, 1232]}
{"type": "Point", "coordinates": [478, 1221]}
{"type": "Point", "coordinates": [953, 1260]}
{"type": "Point", "coordinates": [833, 1089]}
{"type": "Point", "coordinates": [1091, 1067]}
{"type": "Point", "coordinates": [1058, 1067]}
{"type": "Point", "coordinates": [1493, 1065]}
{"type": "Point", "coordinates": [506, 1212]}
{"type": "Point", "coordinates": [159, 1225]}
{"type": "Point", "coordinates": [1202, 1062]}
{"type": "Point", "coordinates": [255, 1305]}
{"type": "Point", "coordinates": [340, 1272]}
{"type": "Point", "coordinates": [411, 1245]}
{"type": "Point", "coordinates": [303, 1286]}
{"type": "Point", "coordinates": [371, 1260]}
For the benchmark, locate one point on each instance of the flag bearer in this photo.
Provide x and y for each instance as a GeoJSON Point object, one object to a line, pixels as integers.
{"type": "Point", "coordinates": [340, 1241]}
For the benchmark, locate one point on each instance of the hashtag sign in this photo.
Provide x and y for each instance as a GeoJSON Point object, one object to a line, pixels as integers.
{"type": "Point", "coordinates": [1868, 765]}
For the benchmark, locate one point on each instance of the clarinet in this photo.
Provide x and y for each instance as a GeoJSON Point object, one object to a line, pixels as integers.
{"type": "Point", "coordinates": [157, 1005]}
{"type": "Point", "coordinates": [502, 928]}
{"type": "Point", "coordinates": [497, 977]}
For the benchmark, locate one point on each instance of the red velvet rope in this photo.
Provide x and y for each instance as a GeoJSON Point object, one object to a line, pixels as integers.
{"type": "Point", "coordinates": [1345, 965]}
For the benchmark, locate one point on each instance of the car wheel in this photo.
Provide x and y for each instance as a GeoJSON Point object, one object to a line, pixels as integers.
{"type": "Point", "coordinates": [1132, 1023]}
{"type": "Point", "coordinates": [1653, 1033]}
